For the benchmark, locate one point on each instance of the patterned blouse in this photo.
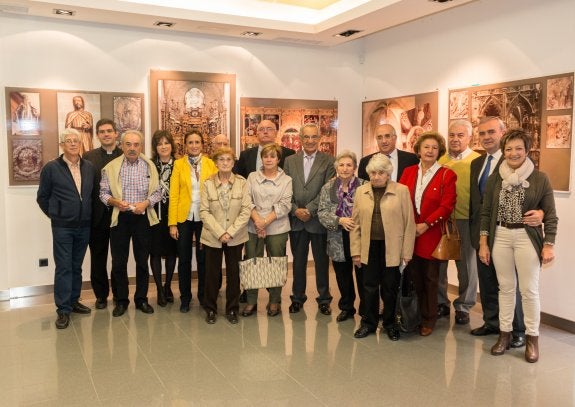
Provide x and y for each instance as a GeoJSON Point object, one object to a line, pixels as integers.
{"type": "Point", "coordinates": [510, 208]}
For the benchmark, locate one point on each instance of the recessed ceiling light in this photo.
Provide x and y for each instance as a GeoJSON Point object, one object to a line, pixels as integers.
{"type": "Point", "coordinates": [347, 33]}
{"type": "Point", "coordinates": [250, 34]}
{"type": "Point", "coordinates": [166, 24]}
{"type": "Point", "coordinates": [439, 1]}
{"type": "Point", "coordinates": [62, 12]}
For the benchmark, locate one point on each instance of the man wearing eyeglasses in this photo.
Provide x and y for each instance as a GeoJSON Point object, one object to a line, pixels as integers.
{"type": "Point", "coordinates": [65, 196]}
{"type": "Point", "coordinates": [309, 169]}
{"type": "Point", "coordinates": [130, 185]}
{"type": "Point", "coordinates": [386, 139]}
{"type": "Point", "coordinates": [102, 214]}
{"type": "Point", "coordinates": [250, 159]}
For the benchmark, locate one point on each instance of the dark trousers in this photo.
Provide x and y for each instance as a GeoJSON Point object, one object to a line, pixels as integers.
{"type": "Point", "coordinates": [99, 244]}
{"type": "Point", "coordinates": [137, 229]}
{"type": "Point", "coordinates": [188, 231]}
{"type": "Point", "coordinates": [425, 276]}
{"type": "Point", "coordinates": [232, 255]}
{"type": "Point", "coordinates": [299, 242]}
{"type": "Point", "coordinates": [344, 277]}
{"type": "Point", "coordinates": [376, 275]}
{"type": "Point", "coordinates": [489, 294]}
{"type": "Point", "coordinates": [69, 248]}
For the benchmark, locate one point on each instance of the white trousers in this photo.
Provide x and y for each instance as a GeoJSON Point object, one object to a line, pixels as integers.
{"type": "Point", "coordinates": [515, 257]}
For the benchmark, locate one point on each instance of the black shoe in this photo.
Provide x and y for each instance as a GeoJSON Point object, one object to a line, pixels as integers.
{"type": "Point", "coordinates": [461, 317]}
{"type": "Point", "coordinates": [344, 316]}
{"type": "Point", "coordinates": [249, 310]}
{"type": "Point", "coordinates": [101, 303]}
{"type": "Point", "coordinates": [162, 302]}
{"type": "Point", "coordinates": [484, 330]}
{"type": "Point", "coordinates": [62, 321]}
{"type": "Point", "coordinates": [362, 332]}
{"type": "Point", "coordinates": [325, 309]}
{"type": "Point", "coordinates": [232, 317]}
{"type": "Point", "coordinates": [273, 310]}
{"type": "Point", "coordinates": [442, 310]}
{"type": "Point", "coordinates": [119, 310]}
{"type": "Point", "coordinates": [393, 334]}
{"type": "Point", "coordinates": [145, 308]}
{"type": "Point", "coordinates": [517, 341]}
{"type": "Point", "coordinates": [79, 308]}
{"type": "Point", "coordinates": [184, 307]}
{"type": "Point", "coordinates": [295, 307]}
{"type": "Point", "coordinates": [244, 297]}
{"type": "Point", "coordinates": [211, 317]}
{"type": "Point", "coordinates": [168, 294]}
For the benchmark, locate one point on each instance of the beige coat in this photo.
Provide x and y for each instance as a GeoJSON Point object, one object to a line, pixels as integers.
{"type": "Point", "coordinates": [398, 223]}
{"type": "Point", "coordinates": [215, 217]}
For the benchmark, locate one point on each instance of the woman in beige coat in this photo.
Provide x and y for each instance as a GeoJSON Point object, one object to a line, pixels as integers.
{"type": "Point", "coordinates": [225, 208]}
{"type": "Point", "coordinates": [382, 238]}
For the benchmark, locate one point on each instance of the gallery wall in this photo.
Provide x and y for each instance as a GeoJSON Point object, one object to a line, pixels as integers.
{"type": "Point", "coordinates": [484, 42]}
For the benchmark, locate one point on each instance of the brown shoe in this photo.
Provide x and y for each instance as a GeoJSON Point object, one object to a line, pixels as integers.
{"type": "Point", "coordinates": [532, 348]}
{"type": "Point", "coordinates": [502, 344]}
{"type": "Point", "coordinates": [249, 310]}
{"type": "Point", "coordinates": [425, 331]}
{"type": "Point", "coordinates": [273, 310]}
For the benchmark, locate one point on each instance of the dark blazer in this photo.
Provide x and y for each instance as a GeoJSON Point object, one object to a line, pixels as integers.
{"type": "Point", "coordinates": [475, 198]}
{"type": "Point", "coordinates": [101, 214]}
{"type": "Point", "coordinates": [404, 160]}
{"type": "Point", "coordinates": [246, 164]}
{"type": "Point", "coordinates": [58, 196]}
{"type": "Point", "coordinates": [306, 194]}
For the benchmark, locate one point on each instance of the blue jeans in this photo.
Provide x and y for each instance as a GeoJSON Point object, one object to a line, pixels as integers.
{"type": "Point", "coordinates": [69, 246]}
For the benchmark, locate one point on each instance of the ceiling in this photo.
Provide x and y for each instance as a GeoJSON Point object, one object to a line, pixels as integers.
{"type": "Point", "coordinates": [311, 22]}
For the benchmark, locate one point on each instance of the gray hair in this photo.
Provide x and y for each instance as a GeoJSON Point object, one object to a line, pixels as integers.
{"type": "Point", "coordinates": [486, 119]}
{"type": "Point", "coordinates": [310, 124]}
{"type": "Point", "coordinates": [69, 132]}
{"type": "Point", "coordinates": [345, 154]}
{"type": "Point", "coordinates": [462, 123]}
{"type": "Point", "coordinates": [136, 132]}
{"type": "Point", "coordinates": [379, 162]}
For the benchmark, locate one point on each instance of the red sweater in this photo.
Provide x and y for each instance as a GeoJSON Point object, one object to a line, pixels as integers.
{"type": "Point", "coordinates": [437, 203]}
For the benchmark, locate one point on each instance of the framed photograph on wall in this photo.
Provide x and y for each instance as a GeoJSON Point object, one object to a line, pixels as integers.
{"type": "Point", "coordinates": [184, 101]}
{"type": "Point", "coordinates": [289, 115]}
{"type": "Point", "coordinates": [409, 115]}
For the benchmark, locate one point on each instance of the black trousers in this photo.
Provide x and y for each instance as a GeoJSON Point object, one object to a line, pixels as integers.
{"type": "Point", "coordinates": [375, 276]}
{"type": "Point", "coordinates": [190, 231]}
{"type": "Point", "coordinates": [137, 229]}
{"type": "Point", "coordinates": [233, 255]}
{"type": "Point", "coordinates": [344, 277]}
{"type": "Point", "coordinates": [99, 244]}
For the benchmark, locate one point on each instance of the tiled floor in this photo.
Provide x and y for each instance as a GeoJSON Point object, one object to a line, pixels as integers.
{"type": "Point", "coordinates": [307, 359]}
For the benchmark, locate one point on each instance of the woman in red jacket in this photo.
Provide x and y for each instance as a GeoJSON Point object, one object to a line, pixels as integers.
{"type": "Point", "coordinates": [432, 189]}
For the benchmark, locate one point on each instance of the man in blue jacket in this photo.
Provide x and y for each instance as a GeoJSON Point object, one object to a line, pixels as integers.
{"type": "Point", "coordinates": [65, 196]}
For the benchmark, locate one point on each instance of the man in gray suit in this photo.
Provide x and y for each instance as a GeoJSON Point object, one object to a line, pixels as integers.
{"type": "Point", "coordinates": [310, 169]}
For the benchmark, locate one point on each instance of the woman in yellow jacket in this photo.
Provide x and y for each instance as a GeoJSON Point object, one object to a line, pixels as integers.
{"type": "Point", "coordinates": [188, 176]}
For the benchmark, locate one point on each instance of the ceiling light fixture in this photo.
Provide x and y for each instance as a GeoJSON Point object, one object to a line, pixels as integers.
{"type": "Point", "coordinates": [251, 34]}
{"type": "Point", "coordinates": [347, 33]}
{"type": "Point", "coordinates": [62, 12]}
{"type": "Point", "coordinates": [439, 1]}
{"type": "Point", "coordinates": [165, 24]}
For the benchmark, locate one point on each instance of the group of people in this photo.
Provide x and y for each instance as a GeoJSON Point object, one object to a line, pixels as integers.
{"type": "Point", "coordinates": [371, 225]}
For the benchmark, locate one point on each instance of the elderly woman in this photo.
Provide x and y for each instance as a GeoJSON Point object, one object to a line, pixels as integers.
{"type": "Point", "coordinates": [334, 212]}
{"type": "Point", "coordinates": [432, 190]}
{"type": "Point", "coordinates": [225, 210]}
{"type": "Point", "coordinates": [270, 190]}
{"type": "Point", "coordinates": [188, 176]}
{"type": "Point", "coordinates": [162, 245]}
{"type": "Point", "coordinates": [517, 249]}
{"type": "Point", "coordinates": [381, 239]}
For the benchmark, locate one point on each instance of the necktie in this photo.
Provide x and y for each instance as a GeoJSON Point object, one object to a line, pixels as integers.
{"type": "Point", "coordinates": [485, 175]}
{"type": "Point", "coordinates": [307, 167]}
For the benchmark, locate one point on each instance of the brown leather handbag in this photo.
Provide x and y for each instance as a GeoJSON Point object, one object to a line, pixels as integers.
{"type": "Point", "coordinates": [449, 247]}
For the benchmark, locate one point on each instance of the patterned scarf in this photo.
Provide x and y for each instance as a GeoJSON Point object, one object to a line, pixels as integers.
{"type": "Point", "coordinates": [195, 163]}
{"type": "Point", "coordinates": [345, 199]}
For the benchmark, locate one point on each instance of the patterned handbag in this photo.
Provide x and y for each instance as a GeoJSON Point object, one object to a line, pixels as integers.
{"type": "Point", "coordinates": [263, 272]}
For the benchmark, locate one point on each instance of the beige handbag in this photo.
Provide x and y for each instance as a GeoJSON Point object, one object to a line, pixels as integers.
{"type": "Point", "coordinates": [263, 272]}
{"type": "Point", "coordinates": [449, 247]}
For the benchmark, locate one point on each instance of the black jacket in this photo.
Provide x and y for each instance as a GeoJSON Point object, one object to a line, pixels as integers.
{"type": "Point", "coordinates": [246, 164]}
{"type": "Point", "coordinates": [404, 159]}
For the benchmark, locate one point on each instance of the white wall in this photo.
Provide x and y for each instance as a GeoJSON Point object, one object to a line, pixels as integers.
{"type": "Point", "coordinates": [485, 42]}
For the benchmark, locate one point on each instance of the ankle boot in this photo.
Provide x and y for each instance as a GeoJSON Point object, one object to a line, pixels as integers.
{"type": "Point", "coordinates": [532, 349]}
{"type": "Point", "coordinates": [502, 344]}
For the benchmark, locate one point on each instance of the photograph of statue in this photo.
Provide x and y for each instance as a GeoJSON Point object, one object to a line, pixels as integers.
{"type": "Point", "coordinates": [560, 93]}
{"type": "Point", "coordinates": [558, 131]}
{"type": "Point", "coordinates": [194, 105]}
{"type": "Point", "coordinates": [26, 159]}
{"type": "Point", "coordinates": [409, 115]}
{"type": "Point", "coordinates": [25, 113]}
{"type": "Point", "coordinates": [79, 111]}
{"type": "Point", "coordinates": [127, 113]}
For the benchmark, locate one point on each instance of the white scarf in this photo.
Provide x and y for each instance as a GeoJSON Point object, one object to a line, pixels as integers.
{"type": "Point", "coordinates": [516, 177]}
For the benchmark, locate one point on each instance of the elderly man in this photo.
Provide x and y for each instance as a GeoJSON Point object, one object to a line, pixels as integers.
{"type": "Point", "coordinates": [250, 159]}
{"type": "Point", "coordinates": [82, 121]}
{"type": "Point", "coordinates": [220, 141]}
{"type": "Point", "coordinates": [458, 158]}
{"type": "Point", "coordinates": [102, 214]}
{"type": "Point", "coordinates": [131, 186]}
{"type": "Point", "coordinates": [386, 138]}
{"type": "Point", "coordinates": [310, 169]}
{"type": "Point", "coordinates": [65, 196]}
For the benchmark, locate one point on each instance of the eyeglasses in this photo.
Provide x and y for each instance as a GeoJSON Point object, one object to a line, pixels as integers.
{"type": "Point", "coordinates": [72, 141]}
{"type": "Point", "coordinates": [384, 136]}
{"type": "Point", "coordinates": [314, 137]}
{"type": "Point", "coordinates": [267, 129]}
{"type": "Point", "coordinates": [225, 159]}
